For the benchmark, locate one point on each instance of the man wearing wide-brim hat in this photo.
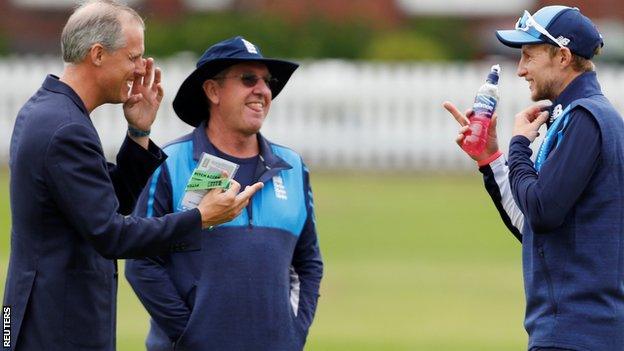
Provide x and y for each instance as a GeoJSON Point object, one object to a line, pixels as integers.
{"type": "Point", "coordinates": [252, 283]}
{"type": "Point", "coordinates": [567, 207]}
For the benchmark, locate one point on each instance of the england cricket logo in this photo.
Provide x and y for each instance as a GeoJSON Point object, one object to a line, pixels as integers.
{"type": "Point", "coordinates": [251, 48]}
{"type": "Point", "coordinates": [280, 189]}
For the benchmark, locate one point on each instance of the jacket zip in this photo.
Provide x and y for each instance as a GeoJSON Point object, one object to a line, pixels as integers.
{"type": "Point", "coordinates": [250, 213]}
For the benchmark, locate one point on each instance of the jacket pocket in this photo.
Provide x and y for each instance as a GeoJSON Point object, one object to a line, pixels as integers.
{"type": "Point", "coordinates": [548, 278]}
{"type": "Point", "coordinates": [178, 344]}
{"type": "Point", "coordinates": [190, 296]}
{"type": "Point", "coordinates": [296, 320]}
{"type": "Point", "coordinates": [87, 309]}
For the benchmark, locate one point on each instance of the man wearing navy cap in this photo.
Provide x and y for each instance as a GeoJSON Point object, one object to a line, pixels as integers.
{"type": "Point", "coordinates": [253, 284]}
{"type": "Point", "coordinates": [567, 207]}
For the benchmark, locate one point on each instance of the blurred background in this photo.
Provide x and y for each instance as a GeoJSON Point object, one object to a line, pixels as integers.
{"type": "Point", "coordinates": [416, 257]}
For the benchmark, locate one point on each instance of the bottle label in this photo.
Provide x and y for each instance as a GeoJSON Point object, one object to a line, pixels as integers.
{"type": "Point", "coordinates": [484, 105]}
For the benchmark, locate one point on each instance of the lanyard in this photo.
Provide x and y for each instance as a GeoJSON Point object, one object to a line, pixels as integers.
{"type": "Point", "coordinates": [553, 131]}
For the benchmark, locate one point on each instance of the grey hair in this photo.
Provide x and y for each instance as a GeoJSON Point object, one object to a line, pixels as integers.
{"type": "Point", "coordinates": [94, 21]}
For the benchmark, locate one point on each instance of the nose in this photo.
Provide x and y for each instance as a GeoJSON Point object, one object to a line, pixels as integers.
{"type": "Point", "coordinates": [262, 88]}
{"type": "Point", "coordinates": [521, 71]}
{"type": "Point", "coordinates": [139, 67]}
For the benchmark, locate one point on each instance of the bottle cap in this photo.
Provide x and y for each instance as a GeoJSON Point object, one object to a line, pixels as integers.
{"type": "Point", "coordinates": [493, 76]}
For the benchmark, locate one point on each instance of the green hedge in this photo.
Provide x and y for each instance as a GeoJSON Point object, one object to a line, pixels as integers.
{"type": "Point", "coordinates": [437, 39]}
{"type": "Point", "coordinates": [4, 44]}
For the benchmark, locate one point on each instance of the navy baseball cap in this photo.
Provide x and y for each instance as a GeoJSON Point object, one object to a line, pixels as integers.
{"type": "Point", "coordinates": [556, 25]}
{"type": "Point", "coordinates": [191, 103]}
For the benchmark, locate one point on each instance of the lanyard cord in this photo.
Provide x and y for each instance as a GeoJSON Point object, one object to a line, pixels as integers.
{"type": "Point", "coordinates": [547, 144]}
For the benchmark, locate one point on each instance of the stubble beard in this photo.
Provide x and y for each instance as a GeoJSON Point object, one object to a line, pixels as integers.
{"type": "Point", "coordinates": [544, 92]}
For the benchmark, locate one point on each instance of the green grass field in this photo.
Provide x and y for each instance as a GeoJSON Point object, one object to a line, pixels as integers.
{"type": "Point", "coordinates": [412, 262]}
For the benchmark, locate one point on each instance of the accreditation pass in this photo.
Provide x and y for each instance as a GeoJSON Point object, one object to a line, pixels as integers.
{"type": "Point", "coordinates": [207, 163]}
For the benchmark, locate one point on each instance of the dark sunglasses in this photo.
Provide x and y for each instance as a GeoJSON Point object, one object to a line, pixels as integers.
{"type": "Point", "coordinates": [250, 80]}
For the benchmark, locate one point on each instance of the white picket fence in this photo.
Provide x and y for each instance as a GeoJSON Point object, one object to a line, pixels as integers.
{"type": "Point", "coordinates": [337, 114]}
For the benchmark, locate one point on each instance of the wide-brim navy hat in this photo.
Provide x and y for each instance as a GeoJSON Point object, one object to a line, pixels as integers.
{"type": "Point", "coordinates": [555, 25]}
{"type": "Point", "coordinates": [191, 103]}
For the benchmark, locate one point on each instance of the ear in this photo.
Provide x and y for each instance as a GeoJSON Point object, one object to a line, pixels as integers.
{"type": "Point", "coordinates": [95, 54]}
{"type": "Point", "coordinates": [565, 57]}
{"type": "Point", "coordinates": [211, 89]}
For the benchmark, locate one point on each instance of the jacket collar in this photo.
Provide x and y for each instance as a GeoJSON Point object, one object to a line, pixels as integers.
{"type": "Point", "coordinates": [584, 85]}
{"type": "Point", "coordinates": [270, 164]}
{"type": "Point", "coordinates": [53, 83]}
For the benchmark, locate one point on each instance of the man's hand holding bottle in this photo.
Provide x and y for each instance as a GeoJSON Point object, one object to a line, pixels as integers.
{"type": "Point", "coordinates": [491, 150]}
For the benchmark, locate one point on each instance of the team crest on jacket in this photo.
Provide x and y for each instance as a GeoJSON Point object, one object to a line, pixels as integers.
{"type": "Point", "coordinates": [280, 189]}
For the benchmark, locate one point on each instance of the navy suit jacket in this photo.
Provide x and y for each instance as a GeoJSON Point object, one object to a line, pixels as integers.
{"type": "Point", "coordinates": [69, 222]}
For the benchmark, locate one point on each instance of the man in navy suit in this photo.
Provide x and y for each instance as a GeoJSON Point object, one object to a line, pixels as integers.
{"type": "Point", "coordinates": [69, 206]}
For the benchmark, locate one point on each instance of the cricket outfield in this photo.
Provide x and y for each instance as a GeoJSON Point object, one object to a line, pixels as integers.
{"type": "Point", "coordinates": [412, 262]}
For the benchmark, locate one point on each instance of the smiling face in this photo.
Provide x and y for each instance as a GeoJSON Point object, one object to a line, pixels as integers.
{"type": "Point", "coordinates": [539, 68]}
{"type": "Point", "coordinates": [121, 66]}
{"type": "Point", "coordinates": [238, 107]}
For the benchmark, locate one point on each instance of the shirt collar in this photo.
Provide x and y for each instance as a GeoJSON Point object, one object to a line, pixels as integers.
{"type": "Point", "coordinates": [54, 84]}
{"type": "Point", "coordinates": [271, 161]}
{"type": "Point", "coordinates": [582, 86]}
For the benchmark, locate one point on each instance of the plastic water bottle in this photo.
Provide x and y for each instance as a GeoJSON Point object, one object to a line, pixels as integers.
{"type": "Point", "coordinates": [484, 105]}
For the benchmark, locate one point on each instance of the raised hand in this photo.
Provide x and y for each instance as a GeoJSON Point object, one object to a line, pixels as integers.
{"type": "Point", "coordinates": [529, 120]}
{"type": "Point", "coordinates": [491, 146]}
{"type": "Point", "coordinates": [141, 107]}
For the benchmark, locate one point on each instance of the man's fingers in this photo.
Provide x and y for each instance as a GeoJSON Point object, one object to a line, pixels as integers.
{"type": "Point", "coordinates": [238, 208]}
{"type": "Point", "coordinates": [459, 117]}
{"type": "Point", "coordinates": [460, 139]}
{"type": "Point", "coordinates": [249, 191]}
{"type": "Point", "coordinates": [461, 135]}
{"type": "Point", "coordinates": [532, 111]}
{"type": "Point", "coordinates": [213, 192]}
{"type": "Point", "coordinates": [133, 99]}
{"type": "Point", "coordinates": [242, 199]}
{"type": "Point", "coordinates": [157, 75]}
{"type": "Point", "coordinates": [157, 86]}
{"type": "Point", "coordinates": [234, 186]}
{"type": "Point", "coordinates": [494, 121]}
{"type": "Point", "coordinates": [541, 118]}
{"type": "Point", "coordinates": [160, 93]}
{"type": "Point", "coordinates": [138, 80]}
{"type": "Point", "coordinates": [149, 73]}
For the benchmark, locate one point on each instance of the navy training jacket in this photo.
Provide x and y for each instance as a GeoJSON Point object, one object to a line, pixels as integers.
{"type": "Point", "coordinates": [570, 219]}
{"type": "Point", "coordinates": [250, 284]}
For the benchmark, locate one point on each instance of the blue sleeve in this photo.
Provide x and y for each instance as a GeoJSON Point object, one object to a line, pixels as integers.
{"type": "Point", "coordinates": [129, 175]}
{"type": "Point", "coordinates": [78, 178]}
{"type": "Point", "coordinates": [307, 263]}
{"type": "Point", "coordinates": [546, 198]}
{"type": "Point", "coordinates": [149, 276]}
